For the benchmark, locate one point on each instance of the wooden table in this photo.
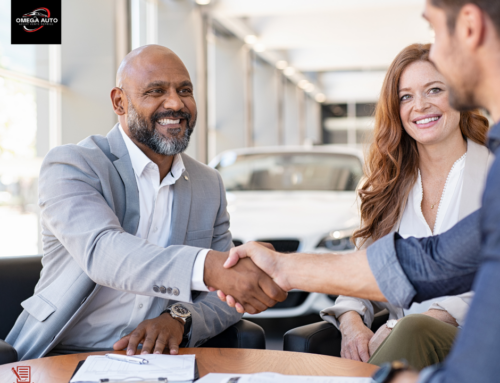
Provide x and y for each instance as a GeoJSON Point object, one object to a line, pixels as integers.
{"type": "Point", "coordinates": [58, 369]}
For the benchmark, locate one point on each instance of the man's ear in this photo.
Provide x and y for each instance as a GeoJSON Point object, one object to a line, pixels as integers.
{"type": "Point", "coordinates": [119, 102]}
{"type": "Point", "coordinates": [471, 26]}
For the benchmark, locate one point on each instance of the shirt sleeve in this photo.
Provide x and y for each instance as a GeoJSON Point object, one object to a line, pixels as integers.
{"type": "Point", "coordinates": [417, 269]}
{"type": "Point", "coordinates": [344, 304]}
{"type": "Point", "coordinates": [456, 306]}
{"type": "Point", "coordinates": [197, 278]}
{"type": "Point", "coordinates": [391, 278]}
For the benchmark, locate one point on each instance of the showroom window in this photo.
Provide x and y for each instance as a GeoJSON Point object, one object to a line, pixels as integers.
{"type": "Point", "coordinates": [30, 104]}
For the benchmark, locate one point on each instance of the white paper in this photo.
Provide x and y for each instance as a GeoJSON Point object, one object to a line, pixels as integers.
{"type": "Point", "coordinates": [270, 377]}
{"type": "Point", "coordinates": [173, 367]}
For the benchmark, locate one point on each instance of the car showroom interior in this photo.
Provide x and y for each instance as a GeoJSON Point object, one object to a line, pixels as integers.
{"type": "Point", "coordinates": [262, 184]}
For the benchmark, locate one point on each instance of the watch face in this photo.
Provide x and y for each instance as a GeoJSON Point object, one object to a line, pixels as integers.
{"type": "Point", "coordinates": [181, 311]}
{"type": "Point", "coordinates": [391, 323]}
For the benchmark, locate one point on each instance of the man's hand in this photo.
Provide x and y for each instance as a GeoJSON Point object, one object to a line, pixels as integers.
{"type": "Point", "coordinates": [264, 257]}
{"type": "Point", "coordinates": [247, 283]}
{"type": "Point", "coordinates": [382, 333]}
{"type": "Point", "coordinates": [161, 333]}
{"type": "Point", "coordinates": [355, 337]}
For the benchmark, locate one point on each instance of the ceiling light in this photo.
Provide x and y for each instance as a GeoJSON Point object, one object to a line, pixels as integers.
{"type": "Point", "coordinates": [309, 88]}
{"type": "Point", "coordinates": [303, 84]}
{"type": "Point", "coordinates": [259, 47]}
{"type": "Point", "coordinates": [250, 39]}
{"type": "Point", "coordinates": [289, 71]}
{"type": "Point", "coordinates": [282, 64]}
{"type": "Point", "coordinates": [203, 2]}
{"type": "Point", "coordinates": [320, 97]}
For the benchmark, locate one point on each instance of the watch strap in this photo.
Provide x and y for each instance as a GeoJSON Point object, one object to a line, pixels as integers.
{"type": "Point", "coordinates": [387, 371]}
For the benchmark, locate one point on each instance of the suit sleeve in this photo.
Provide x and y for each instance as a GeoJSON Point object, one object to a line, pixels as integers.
{"type": "Point", "coordinates": [75, 211]}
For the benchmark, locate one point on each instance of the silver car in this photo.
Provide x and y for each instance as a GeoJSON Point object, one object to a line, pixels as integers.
{"type": "Point", "coordinates": [296, 198]}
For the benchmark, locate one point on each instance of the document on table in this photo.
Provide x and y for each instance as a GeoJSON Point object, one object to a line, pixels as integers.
{"type": "Point", "coordinates": [176, 368]}
{"type": "Point", "coordinates": [270, 377]}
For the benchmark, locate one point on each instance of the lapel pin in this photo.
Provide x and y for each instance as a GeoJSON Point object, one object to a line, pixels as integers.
{"type": "Point", "coordinates": [186, 178]}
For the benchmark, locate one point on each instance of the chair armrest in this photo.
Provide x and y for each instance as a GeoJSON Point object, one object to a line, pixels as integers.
{"type": "Point", "coordinates": [244, 334]}
{"type": "Point", "coordinates": [316, 338]}
{"type": "Point", "coordinates": [8, 354]}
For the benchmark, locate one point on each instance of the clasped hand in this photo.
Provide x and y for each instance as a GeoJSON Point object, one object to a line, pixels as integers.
{"type": "Point", "coordinates": [251, 277]}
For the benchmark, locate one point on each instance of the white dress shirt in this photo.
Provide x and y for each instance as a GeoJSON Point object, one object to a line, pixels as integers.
{"type": "Point", "coordinates": [113, 314]}
{"type": "Point", "coordinates": [413, 224]}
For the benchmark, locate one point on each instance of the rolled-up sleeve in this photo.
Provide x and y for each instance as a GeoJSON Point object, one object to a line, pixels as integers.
{"type": "Point", "coordinates": [417, 269]}
{"type": "Point", "coordinates": [391, 278]}
{"type": "Point", "coordinates": [456, 306]}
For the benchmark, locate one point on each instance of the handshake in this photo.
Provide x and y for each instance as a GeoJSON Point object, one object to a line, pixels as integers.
{"type": "Point", "coordinates": [249, 278]}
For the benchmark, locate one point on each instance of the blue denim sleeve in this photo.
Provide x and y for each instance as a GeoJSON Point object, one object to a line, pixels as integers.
{"type": "Point", "coordinates": [443, 264]}
{"type": "Point", "coordinates": [474, 357]}
{"type": "Point", "coordinates": [416, 269]}
{"type": "Point", "coordinates": [390, 276]}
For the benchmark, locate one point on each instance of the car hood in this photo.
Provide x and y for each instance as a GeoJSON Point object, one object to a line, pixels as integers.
{"type": "Point", "coordinates": [295, 214]}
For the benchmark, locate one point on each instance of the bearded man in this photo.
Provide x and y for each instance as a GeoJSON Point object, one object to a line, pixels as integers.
{"type": "Point", "coordinates": [134, 231]}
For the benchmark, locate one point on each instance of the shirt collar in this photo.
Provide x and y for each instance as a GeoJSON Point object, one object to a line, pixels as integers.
{"type": "Point", "coordinates": [494, 137]}
{"type": "Point", "coordinates": [140, 160]}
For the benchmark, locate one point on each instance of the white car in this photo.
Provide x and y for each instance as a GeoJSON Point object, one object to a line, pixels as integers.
{"type": "Point", "coordinates": [297, 198]}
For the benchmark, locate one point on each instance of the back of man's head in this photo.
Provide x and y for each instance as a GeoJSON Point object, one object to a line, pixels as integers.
{"type": "Point", "coordinates": [452, 8]}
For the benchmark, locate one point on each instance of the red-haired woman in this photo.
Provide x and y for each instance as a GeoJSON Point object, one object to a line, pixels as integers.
{"type": "Point", "coordinates": [425, 171]}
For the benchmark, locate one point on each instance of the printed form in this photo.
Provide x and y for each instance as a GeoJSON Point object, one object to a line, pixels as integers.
{"type": "Point", "coordinates": [173, 367]}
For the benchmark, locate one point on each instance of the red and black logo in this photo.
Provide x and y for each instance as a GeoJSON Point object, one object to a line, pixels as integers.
{"type": "Point", "coordinates": [37, 24]}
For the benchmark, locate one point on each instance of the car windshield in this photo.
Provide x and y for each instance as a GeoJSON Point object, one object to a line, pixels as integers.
{"type": "Point", "coordinates": [290, 171]}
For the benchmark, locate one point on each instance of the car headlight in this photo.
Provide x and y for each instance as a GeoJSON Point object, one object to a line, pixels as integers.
{"type": "Point", "coordinates": [338, 240]}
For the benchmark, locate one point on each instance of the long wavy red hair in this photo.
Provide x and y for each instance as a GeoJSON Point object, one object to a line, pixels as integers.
{"type": "Point", "coordinates": [391, 166]}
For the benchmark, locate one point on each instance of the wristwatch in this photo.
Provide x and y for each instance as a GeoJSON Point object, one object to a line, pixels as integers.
{"type": "Point", "coordinates": [391, 323]}
{"type": "Point", "coordinates": [387, 371]}
{"type": "Point", "coordinates": [177, 310]}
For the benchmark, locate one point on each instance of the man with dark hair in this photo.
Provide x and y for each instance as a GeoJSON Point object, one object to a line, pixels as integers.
{"type": "Point", "coordinates": [403, 271]}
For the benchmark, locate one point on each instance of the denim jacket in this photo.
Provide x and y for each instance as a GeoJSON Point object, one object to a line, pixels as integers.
{"type": "Point", "coordinates": [465, 257]}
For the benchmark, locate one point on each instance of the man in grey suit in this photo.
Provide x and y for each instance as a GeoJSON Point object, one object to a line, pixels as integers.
{"type": "Point", "coordinates": [131, 227]}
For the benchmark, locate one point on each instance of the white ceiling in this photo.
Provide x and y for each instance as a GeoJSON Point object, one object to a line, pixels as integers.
{"type": "Point", "coordinates": [323, 35]}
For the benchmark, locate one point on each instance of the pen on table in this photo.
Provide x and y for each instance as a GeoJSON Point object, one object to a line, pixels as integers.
{"type": "Point", "coordinates": [128, 359]}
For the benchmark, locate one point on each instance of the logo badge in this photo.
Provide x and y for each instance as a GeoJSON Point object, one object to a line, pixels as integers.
{"type": "Point", "coordinates": [36, 22]}
{"type": "Point", "coordinates": [23, 374]}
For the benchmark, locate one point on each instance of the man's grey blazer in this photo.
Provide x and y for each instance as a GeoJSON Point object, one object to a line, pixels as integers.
{"type": "Point", "coordinates": [89, 204]}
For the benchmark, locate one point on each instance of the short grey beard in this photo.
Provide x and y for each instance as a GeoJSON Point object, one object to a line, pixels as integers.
{"type": "Point", "coordinates": [158, 143]}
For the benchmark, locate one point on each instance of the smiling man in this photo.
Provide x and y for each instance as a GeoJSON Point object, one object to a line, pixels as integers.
{"type": "Point", "coordinates": [134, 230]}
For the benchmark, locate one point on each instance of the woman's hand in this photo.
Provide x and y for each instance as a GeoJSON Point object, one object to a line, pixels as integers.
{"type": "Point", "coordinates": [382, 333]}
{"type": "Point", "coordinates": [355, 337]}
{"type": "Point", "coordinates": [441, 315]}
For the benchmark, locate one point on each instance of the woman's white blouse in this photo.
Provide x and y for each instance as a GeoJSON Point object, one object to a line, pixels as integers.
{"type": "Point", "coordinates": [413, 224]}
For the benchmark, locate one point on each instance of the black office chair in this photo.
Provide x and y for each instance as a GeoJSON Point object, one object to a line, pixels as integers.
{"type": "Point", "coordinates": [321, 337]}
{"type": "Point", "coordinates": [19, 276]}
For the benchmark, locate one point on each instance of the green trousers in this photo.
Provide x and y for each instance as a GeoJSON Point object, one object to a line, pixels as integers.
{"type": "Point", "coordinates": [420, 339]}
